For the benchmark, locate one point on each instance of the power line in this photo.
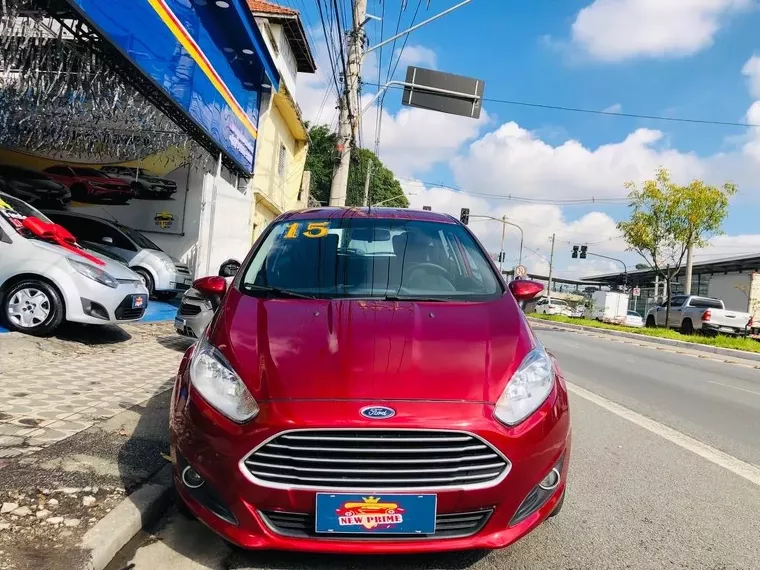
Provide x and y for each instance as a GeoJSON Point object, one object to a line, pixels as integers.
{"type": "Point", "coordinates": [607, 113]}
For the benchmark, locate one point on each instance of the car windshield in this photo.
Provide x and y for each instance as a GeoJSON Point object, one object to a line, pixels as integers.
{"type": "Point", "coordinates": [21, 207]}
{"type": "Point", "coordinates": [372, 258]}
{"type": "Point", "coordinates": [91, 172]}
{"type": "Point", "coordinates": [144, 172]}
{"type": "Point", "coordinates": [138, 238]}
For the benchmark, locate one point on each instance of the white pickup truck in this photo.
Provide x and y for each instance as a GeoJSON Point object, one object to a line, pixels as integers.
{"type": "Point", "coordinates": [690, 314]}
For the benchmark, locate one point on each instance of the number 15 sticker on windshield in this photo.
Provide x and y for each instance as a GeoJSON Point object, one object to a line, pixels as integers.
{"type": "Point", "coordinates": [309, 230]}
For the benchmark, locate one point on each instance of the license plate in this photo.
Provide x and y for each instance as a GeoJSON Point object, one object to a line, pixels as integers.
{"type": "Point", "coordinates": [179, 323]}
{"type": "Point", "coordinates": [339, 513]}
{"type": "Point", "coordinates": [138, 301]}
{"type": "Point", "coordinates": [187, 281]}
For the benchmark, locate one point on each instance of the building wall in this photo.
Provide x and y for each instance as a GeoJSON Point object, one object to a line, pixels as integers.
{"type": "Point", "coordinates": [279, 47]}
{"type": "Point", "coordinates": [277, 185]}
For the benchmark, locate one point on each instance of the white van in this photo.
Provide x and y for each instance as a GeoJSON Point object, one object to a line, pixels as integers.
{"type": "Point", "coordinates": [44, 281]}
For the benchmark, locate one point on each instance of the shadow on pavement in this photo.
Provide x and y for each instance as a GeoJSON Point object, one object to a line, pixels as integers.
{"type": "Point", "coordinates": [175, 342]}
{"type": "Point", "coordinates": [92, 334]}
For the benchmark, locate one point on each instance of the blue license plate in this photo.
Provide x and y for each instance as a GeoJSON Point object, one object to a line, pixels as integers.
{"type": "Point", "coordinates": [139, 301]}
{"type": "Point", "coordinates": [179, 323]}
{"type": "Point", "coordinates": [338, 513]}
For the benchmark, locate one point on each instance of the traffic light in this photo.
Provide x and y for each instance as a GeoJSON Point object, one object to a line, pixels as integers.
{"type": "Point", "coordinates": [427, 208]}
{"type": "Point", "coordinates": [464, 216]}
{"type": "Point", "coordinates": [575, 252]}
{"type": "Point", "coordinates": [583, 251]}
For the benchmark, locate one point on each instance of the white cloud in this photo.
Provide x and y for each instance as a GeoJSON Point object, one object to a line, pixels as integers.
{"type": "Point", "coordinates": [751, 70]}
{"type": "Point", "coordinates": [616, 30]}
{"type": "Point", "coordinates": [417, 55]}
{"type": "Point", "coordinates": [616, 108]}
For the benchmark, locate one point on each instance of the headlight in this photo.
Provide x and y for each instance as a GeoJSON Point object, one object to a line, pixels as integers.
{"type": "Point", "coordinates": [219, 384]}
{"type": "Point", "coordinates": [527, 389]}
{"type": "Point", "coordinates": [94, 273]}
{"type": "Point", "coordinates": [169, 265]}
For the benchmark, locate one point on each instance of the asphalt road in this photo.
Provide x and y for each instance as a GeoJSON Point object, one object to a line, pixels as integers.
{"type": "Point", "coordinates": [663, 475]}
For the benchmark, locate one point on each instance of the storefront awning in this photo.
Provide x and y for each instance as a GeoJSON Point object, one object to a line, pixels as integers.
{"type": "Point", "coordinates": [202, 62]}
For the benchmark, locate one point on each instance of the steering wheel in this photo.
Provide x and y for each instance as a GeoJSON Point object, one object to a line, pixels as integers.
{"type": "Point", "coordinates": [441, 271]}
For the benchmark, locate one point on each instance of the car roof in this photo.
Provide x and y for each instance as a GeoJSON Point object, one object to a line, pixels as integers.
{"type": "Point", "coordinates": [370, 213]}
{"type": "Point", "coordinates": [75, 215]}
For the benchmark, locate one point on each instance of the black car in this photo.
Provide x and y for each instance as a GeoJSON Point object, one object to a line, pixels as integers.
{"type": "Point", "coordinates": [35, 188]}
{"type": "Point", "coordinates": [146, 183]}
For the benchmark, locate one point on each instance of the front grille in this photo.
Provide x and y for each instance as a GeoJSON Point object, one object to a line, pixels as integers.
{"type": "Point", "coordinates": [182, 268]}
{"type": "Point", "coordinates": [300, 525]}
{"type": "Point", "coordinates": [189, 310]}
{"type": "Point", "coordinates": [125, 312]}
{"type": "Point", "coordinates": [376, 459]}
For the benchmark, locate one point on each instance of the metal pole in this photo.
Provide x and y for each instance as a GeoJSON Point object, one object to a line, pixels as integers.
{"type": "Point", "coordinates": [349, 106]}
{"type": "Point", "coordinates": [416, 27]}
{"type": "Point", "coordinates": [366, 183]}
{"type": "Point", "coordinates": [551, 263]}
{"type": "Point", "coordinates": [501, 251]}
{"type": "Point", "coordinates": [689, 269]}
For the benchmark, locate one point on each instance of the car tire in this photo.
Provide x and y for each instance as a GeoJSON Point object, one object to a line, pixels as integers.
{"type": "Point", "coordinates": [147, 279]}
{"type": "Point", "coordinates": [38, 295]}
{"type": "Point", "coordinates": [79, 192]}
{"type": "Point", "coordinates": [558, 508]}
{"type": "Point", "coordinates": [650, 322]}
{"type": "Point", "coordinates": [687, 327]}
{"type": "Point", "coordinates": [165, 295]}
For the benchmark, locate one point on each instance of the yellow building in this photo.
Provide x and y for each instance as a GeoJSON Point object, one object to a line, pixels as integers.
{"type": "Point", "coordinates": [279, 183]}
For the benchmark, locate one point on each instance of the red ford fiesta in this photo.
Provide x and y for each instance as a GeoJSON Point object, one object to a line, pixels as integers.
{"type": "Point", "coordinates": [370, 385]}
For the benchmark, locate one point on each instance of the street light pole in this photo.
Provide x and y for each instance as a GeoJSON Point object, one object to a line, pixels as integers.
{"type": "Point", "coordinates": [503, 220]}
{"type": "Point", "coordinates": [620, 261]}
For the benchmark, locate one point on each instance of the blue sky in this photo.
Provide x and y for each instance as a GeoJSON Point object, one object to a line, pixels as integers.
{"type": "Point", "coordinates": [673, 58]}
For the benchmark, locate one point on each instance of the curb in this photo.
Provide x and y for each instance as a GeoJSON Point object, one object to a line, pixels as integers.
{"type": "Point", "coordinates": [117, 528]}
{"type": "Point", "coordinates": [730, 352]}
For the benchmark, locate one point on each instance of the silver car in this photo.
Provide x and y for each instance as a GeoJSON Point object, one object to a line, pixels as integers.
{"type": "Point", "coordinates": [196, 310]}
{"type": "Point", "coordinates": [45, 281]}
{"type": "Point", "coordinates": [163, 275]}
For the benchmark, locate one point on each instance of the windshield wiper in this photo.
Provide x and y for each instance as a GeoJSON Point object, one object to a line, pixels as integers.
{"type": "Point", "coordinates": [278, 291]}
{"type": "Point", "coordinates": [412, 298]}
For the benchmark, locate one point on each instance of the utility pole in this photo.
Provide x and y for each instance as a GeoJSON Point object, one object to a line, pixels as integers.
{"type": "Point", "coordinates": [551, 263]}
{"type": "Point", "coordinates": [689, 266]}
{"type": "Point", "coordinates": [349, 105]}
{"type": "Point", "coordinates": [366, 183]}
{"type": "Point", "coordinates": [501, 251]}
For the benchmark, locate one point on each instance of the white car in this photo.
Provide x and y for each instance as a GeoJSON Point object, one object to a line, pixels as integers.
{"type": "Point", "coordinates": [46, 279]}
{"type": "Point", "coordinates": [553, 307]}
{"type": "Point", "coordinates": [633, 319]}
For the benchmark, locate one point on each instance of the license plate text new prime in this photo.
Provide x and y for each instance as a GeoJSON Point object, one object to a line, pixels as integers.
{"type": "Point", "coordinates": [367, 513]}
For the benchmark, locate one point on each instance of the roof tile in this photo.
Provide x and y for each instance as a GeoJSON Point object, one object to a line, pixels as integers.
{"type": "Point", "coordinates": [259, 6]}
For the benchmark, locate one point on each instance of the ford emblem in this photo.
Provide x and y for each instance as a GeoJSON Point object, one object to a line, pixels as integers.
{"type": "Point", "coordinates": [377, 412]}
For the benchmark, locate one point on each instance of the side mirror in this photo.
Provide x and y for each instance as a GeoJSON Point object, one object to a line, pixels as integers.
{"type": "Point", "coordinates": [106, 239]}
{"type": "Point", "coordinates": [211, 286]}
{"type": "Point", "coordinates": [229, 268]}
{"type": "Point", "coordinates": [524, 290]}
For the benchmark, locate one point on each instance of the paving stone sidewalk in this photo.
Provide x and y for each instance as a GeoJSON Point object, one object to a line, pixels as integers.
{"type": "Point", "coordinates": [44, 400]}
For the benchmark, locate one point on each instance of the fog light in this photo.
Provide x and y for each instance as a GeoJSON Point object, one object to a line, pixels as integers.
{"type": "Point", "coordinates": [191, 478]}
{"type": "Point", "coordinates": [550, 481]}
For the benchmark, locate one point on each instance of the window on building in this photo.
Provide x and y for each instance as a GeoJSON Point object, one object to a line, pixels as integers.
{"type": "Point", "coordinates": [281, 161]}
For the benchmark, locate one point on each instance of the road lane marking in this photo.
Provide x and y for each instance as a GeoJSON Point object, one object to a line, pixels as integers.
{"type": "Point", "coordinates": [734, 387]}
{"type": "Point", "coordinates": [736, 466]}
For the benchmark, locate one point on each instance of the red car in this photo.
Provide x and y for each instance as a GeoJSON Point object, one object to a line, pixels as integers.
{"type": "Point", "coordinates": [91, 185]}
{"type": "Point", "coordinates": [369, 356]}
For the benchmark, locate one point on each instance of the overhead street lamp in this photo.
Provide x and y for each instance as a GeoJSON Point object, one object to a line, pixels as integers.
{"type": "Point", "coordinates": [505, 223]}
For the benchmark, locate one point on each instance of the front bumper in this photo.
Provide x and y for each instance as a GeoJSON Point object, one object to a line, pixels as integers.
{"type": "Point", "coordinates": [242, 508]}
{"type": "Point", "coordinates": [90, 302]}
{"type": "Point", "coordinates": [193, 316]}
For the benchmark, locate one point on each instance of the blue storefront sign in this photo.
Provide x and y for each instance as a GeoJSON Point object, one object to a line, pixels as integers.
{"type": "Point", "coordinates": [208, 57]}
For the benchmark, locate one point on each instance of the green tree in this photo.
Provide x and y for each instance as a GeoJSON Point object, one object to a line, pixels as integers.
{"type": "Point", "coordinates": [668, 218]}
{"type": "Point", "coordinates": [320, 161]}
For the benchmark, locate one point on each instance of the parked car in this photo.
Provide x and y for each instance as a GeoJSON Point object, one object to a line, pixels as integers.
{"type": "Point", "coordinates": [46, 277]}
{"type": "Point", "coordinates": [91, 185]}
{"type": "Point", "coordinates": [578, 312]}
{"type": "Point", "coordinates": [553, 307]}
{"type": "Point", "coordinates": [690, 314]}
{"type": "Point", "coordinates": [633, 319]}
{"type": "Point", "coordinates": [163, 275]}
{"type": "Point", "coordinates": [196, 309]}
{"type": "Point", "coordinates": [33, 187]}
{"type": "Point", "coordinates": [331, 376]}
{"type": "Point", "coordinates": [145, 183]}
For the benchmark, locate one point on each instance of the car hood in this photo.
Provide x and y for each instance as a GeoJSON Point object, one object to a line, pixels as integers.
{"type": "Point", "coordinates": [39, 184]}
{"type": "Point", "coordinates": [372, 350]}
{"type": "Point", "coordinates": [99, 180]}
{"type": "Point", "coordinates": [113, 268]}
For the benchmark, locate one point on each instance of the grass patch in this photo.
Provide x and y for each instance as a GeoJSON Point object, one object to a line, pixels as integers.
{"type": "Point", "coordinates": [746, 344]}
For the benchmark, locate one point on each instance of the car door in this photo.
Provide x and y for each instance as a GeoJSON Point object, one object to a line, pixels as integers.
{"type": "Point", "coordinates": [676, 311]}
